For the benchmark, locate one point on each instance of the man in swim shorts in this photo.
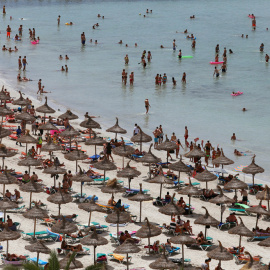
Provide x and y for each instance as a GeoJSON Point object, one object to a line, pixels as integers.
{"type": "Point", "coordinates": [24, 62]}
{"type": "Point", "coordinates": [8, 31]}
{"type": "Point", "coordinates": [83, 38]}
{"type": "Point", "coordinates": [208, 147]}
{"type": "Point", "coordinates": [216, 71]}
{"type": "Point", "coordinates": [174, 45]}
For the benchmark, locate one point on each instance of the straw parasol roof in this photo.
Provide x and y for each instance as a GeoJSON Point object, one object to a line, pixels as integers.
{"type": "Point", "coordinates": [63, 226]}
{"type": "Point", "coordinates": [222, 160]}
{"type": "Point", "coordinates": [148, 230]}
{"type": "Point", "coordinates": [141, 197]}
{"type": "Point", "coordinates": [128, 172]}
{"type": "Point", "coordinates": [20, 101]}
{"type": "Point", "coordinates": [29, 161]}
{"type": "Point", "coordinates": [161, 179]}
{"type": "Point", "coordinates": [25, 116]}
{"type": "Point", "coordinates": [81, 176]}
{"type": "Point", "coordinates": [90, 123]}
{"type": "Point", "coordinates": [45, 108]}
{"type": "Point", "coordinates": [264, 195]}
{"type": "Point", "coordinates": [123, 150]}
{"type": "Point", "coordinates": [38, 247]}
{"type": "Point", "coordinates": [50, 146]}
{"type": "Point", "coordinates": [163, 263]}
{"type": "Point", "coordinates": [75, 264]}
{"type": "Point", "coordinates": [253, 265]}
{"type": "Point", "coordinates": [69, 115]}
{"type": "Point", "coordinates": [265, 243]}
{"type": "Point", "coordinates": [54, 170]}
{"type": "Point", "coordinates": [171, 208]}
{"type": "Point", "coordinates": [4, 152]}
{"type": "Point", "coordinates": [94, 240]}
{"type": "Point", "coordinates": [116, 128]}
{"type": "Point", "coordinates": [7, 179]}
{"type": "Point", "coordinates": [221, 198]}
{"type": "Point", "coordinates": [4, 110]}
{"type": "Point", "coordinates": [127, 247]}
{"type": "Point", "coordinates": [167, 145]}
{"type": "Point", "coordinates": [3, 95]}
{"type": "Point", "coordinates": [4, 132]}
{"type": "Point", "coordinates": [113, 187]}
{"type": "Point", "coordinates": [60, 198]}
{"type": "Point", "coordinates": [220, 253]}
{"type": "Point", "coordinates": [6, 204]}
{"type": "Point", "coordinates": [27, 138]}
{"type": "Point", "coordinates": [236, 184]}
{"type": "Point", "coordinates": [195, 152]}
{"type": "Point", "coordinates": [140, 138]}
{"type": "Point", "coordinates": [259, 210]}
{"type": "Point", "coordinates": [179, 166]}
{"type": "Point", "coordinates": [105, 165]}
{"type": "Point", "coordinates": [205, 176]}
{"type": "Point", "coordinates": [31, 186]}
{"type": "Point", "coordinates": [69, 132]}
{"type": "Point", "coordinates": [75, 155]}
{"type": "Point", "coordinates": [95, 140]}
{"type": "Point", "coordinates": [149, 157]}
{"type": "Point", "coordinates": [91, 207]}
{"type": "Point", "coordinates": [48, 126]}
{"type": "Point", "coordinates": [206, 219]}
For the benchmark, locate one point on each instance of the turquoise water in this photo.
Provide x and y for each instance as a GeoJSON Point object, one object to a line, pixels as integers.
{"type": "Point", "coordinates": [93, 82]}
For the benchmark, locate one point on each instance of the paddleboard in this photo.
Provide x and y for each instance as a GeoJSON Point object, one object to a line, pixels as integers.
{"type": "Point", "coordinates": [216, 63]}
{"type": "Point", "coordinates": [187, 56]}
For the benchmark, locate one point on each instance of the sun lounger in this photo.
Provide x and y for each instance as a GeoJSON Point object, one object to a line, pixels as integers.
{"type": "Point", "coordinates": [226, 225]}
{"type": "Point", "coordinates": [258, 238]}
{"type": "Point", "coordinates": [244, 259]}
{"type": "Point", "coordinates": [40, 262]}
{"type": "Point", "coordinates": [101, 257]}
{"type": "Point", "coordinates": [202, 247]}
{"type": "Point", "coordinates": [18, 210]}
{"type": "Point", "coordinates": [99, 181]}
{"type": "Point", "coordinates": [126, 206]}
{"type": "Point", "coordinates": [181, 260]}
{"type": "Point", "coordinates": [240, 208]}
{"type": "Point", "coordinates": [133, 191]}
{"type": "Point", "coordinates": [118, 257]}
{"type": "Point", "coordinates": [170, 250]}
{"type": "Point", "coordinates": [31, 235]}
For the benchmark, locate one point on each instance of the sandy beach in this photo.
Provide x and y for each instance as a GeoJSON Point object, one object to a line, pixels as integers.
{"type": "Point", "coordinates": [141, 259]}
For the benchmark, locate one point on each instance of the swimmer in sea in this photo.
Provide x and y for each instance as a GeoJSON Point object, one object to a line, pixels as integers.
{"type": "Point", "coordinates": [261, 47]}
{"type": "Point", "coordinates": [246, 36]}
{"type": "Point", "coordinates": [216, 58]}
{"type": "Point", "coordinates": [131, 78]}
{"type": "Point", "coordinates": [147, 105]}
{"type": "Point", "coordinates": [217, 48]}
{"type": "Point", "coordinates": [173, 81]}
{"type": "Point", "coordinates": [193, 45]}
{"type": "Point", "coordinates": [62, 68]}
{"type": "Point", "coordinates": [216, 71]}
{"type": "Point", "coordinates": [174, 45]}
{"type": "Point", "coordinates": [58, 19]}
{"type": "Point", "coordinates": [136, 45]}
{"type": "Point", "coordinates": [126, 59]}
{"type": "Point", "coordinates": [180, 54]}
{"type": "Point", "coordinates": [184, 77]}
{"type": "Point", "coordinates": [19, 78]}
{"type": "Point", "coordinates": [123, 75]}
{"type": "Point", "coordinates": [266, 58]}
{"type": "Point", "coordinates": [42, 90]}
{"type": "Point", "coordinates": [66, 68]}
{"type": "Point", "coordinates": [185, 32]}
{"type": "Point", "coordinates": [244, 109]}
{"type": "Point", "coordinates": [230, 51]}
{"type": "Point", "coordinates": [4, 48]}
{"type": "Point", "coordinates": [15, 49]}
{"type": "Point", "coordinates": [242, 35]}
{"type": "Point", "coordinates": [96, 41]}
{"type": "Point", "coordinates": [120, 42]}
{"type": "Point", "coordinates": [161, 46]}
{"type": "Point", "coordinates": [83, 38]}
{"type": "Point", "coordinates": [91, 40]}
{"type": "Point", "coordinates": [66, 57]}
{"type": "Point", "coordinates": [223, 68]}
{"type": "Point", "coordinates": [126, 45]}
{"type": "Point", "coordinates": [233, 138]}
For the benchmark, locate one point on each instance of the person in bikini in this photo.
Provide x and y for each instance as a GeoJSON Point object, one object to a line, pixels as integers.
{"type": "Point", "coordinates": [147, 105]}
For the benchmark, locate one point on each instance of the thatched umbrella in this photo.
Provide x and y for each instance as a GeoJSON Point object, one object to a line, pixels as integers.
{"type": "Point", "coordinates": [253, 265]}
{"type": "Point", "coordinates": [179, 166]}
{"type": "Point", "coordinates": [7, 179]}
{"type": "Point", "coordinates": [190, 190]}
{"type": "Point", "coordinates": [206, 220]}
{"type": "Point", "coordinates": [31, 187]}
{"type": "Point", "coordinates": [60, 198]}
{"type": "Point", "coordinates": [76, 155]}
{"type": "Point", "coordinates": [95, 141]}
{"type": "Point", "coordinates": [235, 184]}
{"type": "Point", "coordinates": [265, 243]}
{"type": "Point", "coordinates": [38, 247]}
{"type": "Point", "coordinates": [163, 263]}
{"type": "Point", "coordinates": [195, 153]}
{"type": "Point", "coordinates": [128, 172]}
{"type": "Point", "coordinates": [149, 158]}
{"type": "Point", "coordinates": [264, 195]}
{"type": "Point", "coordinates": [75, 264]}
{"type": "Point", "coordinates": [45, 108]}
{"type": "Point", "coordinates": [161, 179]}
{"type": "Point", "coordinates": [30, 161]}
{"type": "Point", "coordinates": [4, 132]}
{"type": "Point", "coordinates": [36, 213]}
{"type": "Point", "coordinates": [70, 132]}
{"type": "Point", "coordinates": [3, 95]}
{"type": "Point", "coordinates": [6, 204]}
{"type": "Point", "coordinates": [50, 146]}
{"type": "Point", "coordinates": [221, 199]}
{"type": "Point", "coordinates": [253, 169]}
{"type": "Point", "coordinates": [259, 210]}
{"type": "Point", "coordinates": [54, 170]}
{"type": "Point", "coordinates": [205, 176]}
{"type": "Point", "coordinates": [182, 239]}
{"type": "Point", "coordinates": [68, 115]}
{"type": "Point", "coordinates": [220, 253]}
{"type": "Point", "coordinates": [48, 126]}
{"type": "Point", "coordinates": [21, 101]}
{"type": "Point", "coordinates": [148, 230]}
{"type": "Point", "coordinates": [141, 197]}
{"type": "Point", "coordinates": [6, 153]}
{"type": "Point", "coordinates": [27, 138]}
{"type": "Point", "coordinates": [25, 116]}
{"type": "Point", "coordinates": [105, 165]}
{"type": "Point", "coordinates": [127, 247]}
{"type": "Point", "coordinates": [90, 124]}
{"type": "Point", "coordinates": [241, 230]}
{"type": "Point", "coordinates": [113, 187]}
{"type": "Point", "coordinates": [117, 218]}
{"type": "Point", "coordinates": [62, 226]}
{"type": "Point", "coordinates": [95, 240]}
{"type": "Point", "coordinates": [4, 110]}
{"type": "Point", "coordinates": [140, 138]}
{"type": "Point", "coordinates": [116, 129]}
{"type": "Point", "coordinates": [91, 207]}
{"type": "Point", "coordinates": [171, 208]}
{"type": "Point", "coordinates": [82, 178]}
{"type": "Point", "coordinates": [7, 235]}
{"type": "Point", "coordinates": [222, 160]}
{"type": "Point", "coordinates": [123, 150]}
{"type": "Point", "coordinates": [167, 146]}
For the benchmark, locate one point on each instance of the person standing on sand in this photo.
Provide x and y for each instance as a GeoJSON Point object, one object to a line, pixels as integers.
{"type": "Point", "coordinates": [186, 135]}
{"type": "Point", "coordinates": [20, 62]}
{"type": "Point", "coordinates": [24, 62]}
{"type": "Point", "coordinates": [147, 105]}
{"type": "Point", "coordinates": [58, 19]}
{"type": "Point", "coordinates": [39, 86]}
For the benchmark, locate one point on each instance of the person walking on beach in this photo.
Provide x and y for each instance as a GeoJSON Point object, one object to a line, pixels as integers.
{"type": "Point", "coordinates": [155, 133]}
{"type": "Point", "coordinates": [20, 62]}
{"type": "Point", "coordinates": [39, 86]}
{"type": "Point", "coordinates": [24, 62]}
{"type": "Point", "coordinates": [58, 19]}
{"type": "Point", "coordinates": [8, 31]}
{"type": "Point", "coordinates": [18, 133]}
{"type": "Point", "coordinates": [147, 105]}
{"type": "Point", "coordinates": [136, 130]}
{"type": "Point", "coordinates": [186, 135]}
{"type": "Point", "coordinates": [207, 148]}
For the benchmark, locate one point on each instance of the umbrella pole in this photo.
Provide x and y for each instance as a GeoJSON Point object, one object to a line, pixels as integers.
{"type": "Point", "coordinates": [70, 144]}
{"type": "Point", "coordinates": [59, 208]}
{"type": "Point", "coordinates": [7, 249]}
{"type": "Point", "coordinates": [37, 258]}
{"type": "Point", "coordinates": [26, 149]}
{"type": "Point", "coordinates": [149, 170]}
{"type": "Point", "coordinates": [222, 169]}
{"type": "Point", "coordinates": [268, 205]}
{"type": "Point", "coordinates": [94, 255]}
{"type": "Point", "coordinates": [253, 179]}
{"type": "Point", "coordinates": [183, 258]}
{"type": "Point", "coordinates": [127, 262]}
{"type": "Point", "coordinates": [239, 244]}
{"type": "Point", "coordinates": [140, 211]}
{"type": "Point", "coordinates": [76, 165]}
{"type": "Point", "coordinates": [206, 185]}
{"type": "Point", "coordinates": [149, 244]}
{"type": "Point", "coordinates": [104, 177]}
{"type": "Point", "coordinates": [117, 230]}
{"type": "Point", "coordinates": [189, 207]}
{"type": "Point", "coordinates": [205, 232]}
{"type": "Point", "coordinates": [3, 159]}
{"type": "Point", "coordinates": [30, 200]}
{"type": "Point", "coordinates": [141, 146]}
{"type": "Point", "coordinates": [4, 186]}
{"type": "Point", "coordinates": [35, 222]}
{"type": "Point", "coordinates": [29, 169]}
{"type": "Point", "coordinates": [5, 215]}
{"type": "Point", "coordinates": [221, 213]}
{"type": "Point", "coordinates": [123, 163]}
{"type": "Point", "coordinates": [95, 150]}
{"type": "Point", "coordinates": [129, 180]}
{"type": "Point", "coordinates": [90, 214]}
{"type": "Point", "coordinates": [160, 190]}
{"type": "Point", "coordinates": [81, 188]}
{"type": "Point", "coordinates": [179, 180]}
{"type": "Point", "coordinates": [257, 219]}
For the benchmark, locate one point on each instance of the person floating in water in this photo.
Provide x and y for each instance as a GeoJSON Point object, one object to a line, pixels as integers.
{"type": "Point", "coordinates": [147, 105]}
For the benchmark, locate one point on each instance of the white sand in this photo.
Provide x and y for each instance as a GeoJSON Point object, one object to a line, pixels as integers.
{"type": "Point", "coordinates": [141, 259]}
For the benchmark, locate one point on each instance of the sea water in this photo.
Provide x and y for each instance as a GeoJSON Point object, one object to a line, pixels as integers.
{"type": "Point", "coordinates": [93, 82]}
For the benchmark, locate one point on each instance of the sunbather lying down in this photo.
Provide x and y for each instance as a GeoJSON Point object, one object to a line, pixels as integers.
{"type": "Point", "coordinates": [77, 235]}
{"type": "Point", "coordinates": [209, 193]}
{"type": "Point", "coordinates": [14, 257]}
{"type": "Point", "coordinates": [76, 248]}
{"type": "Point", "coordinates": [234, 250]}
{"type": "Point", "coordinates": [261, 232]}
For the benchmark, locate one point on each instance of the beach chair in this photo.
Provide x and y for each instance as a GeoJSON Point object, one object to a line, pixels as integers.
{"type": "Point", "coordinates": [171, 250]}
{"type": "Point", "coordinates": [245, 258]}
{"type": "Point", "coordinates": [30, 236]}
{"type": "Point", "coordinates": [118, 257]}
{"type": "Point", "coordinates": [89, 198]}
{"type": "Point", "coordinates": [239, 208]}
{"type": "Point", "coordinates": [99, 181]}
{"type": "Point", "coordinates": [258, 238]}
{"type": "Point", "coordinates": [226, 225]}
{"type": "Point", "coordinates": [203, 247]}
{"type": "Point", "coordinates": [101, 258]}
{"type": "Point", "coordinates": [18, 210]}
{"type": "Point", "coordinates": [180, 261]}
{"type": "Point", "coordinates": [114, 239]}
{"type": "Point", "coordinates": [40, 262]}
